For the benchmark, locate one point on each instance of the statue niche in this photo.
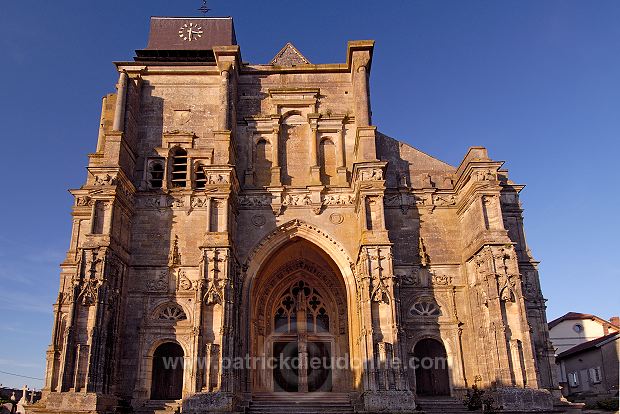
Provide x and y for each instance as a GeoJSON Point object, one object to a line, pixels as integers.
{"type": "Point", "coordinates": [294, 150]}
{"type": "Point", "coordinates": [327, 158]}
{"type": "Point", "coordinates": [262, 163]}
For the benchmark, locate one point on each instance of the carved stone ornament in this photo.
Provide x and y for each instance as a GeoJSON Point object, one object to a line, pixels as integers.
{"type": "Point", "coordinates": [411, 278]}
{"type": "Point", "coordinates": [84, 201]}
{"type": "Point", "coordinates": [199, 202]}
{"type": "Point", "coordinates": [484, 175]}
{"type": "Point", "coordinates": [296, 200]}
{"type": "Point", "coordinates": [178, 202]}
{"type": "Point", "coordinates": [424, 257]}
{"type": "Point", "coordinates": [374, 174]}
{"type": "Point", "coordinates": [89, 292]}
{"type": "Point", "coordinates": [254, 200]}
{"type": "Point", "coordinates": [183, 282]}
{"type": "Point", "coordinates": [105, 180]}
{"type": "Point", "coordinates": [442, 200]}
{"type": "Point", "coordinates": [174, 257]}
{"type": "Point", "coordinates": [336, 218]}
{"type": "Point", "coordinates": [159, 283]}
{"type": "Point", "coordinates": [217, 178]}
{"type": "Point", "coordinates": [441, 279]}
{"type": "Point", "coordinates": [213, 295]}
{"type": "Point", "coordinates": [258, 220]}
{"type": "Point", "coordinates": [338, 199]}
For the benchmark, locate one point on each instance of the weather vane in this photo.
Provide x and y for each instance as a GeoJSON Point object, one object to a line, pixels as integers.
{"type": "Point", "coordinates": [204, 9]}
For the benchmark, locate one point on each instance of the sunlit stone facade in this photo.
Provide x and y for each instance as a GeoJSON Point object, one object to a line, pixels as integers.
{"type": "Point", "coordinates": [235, 210]}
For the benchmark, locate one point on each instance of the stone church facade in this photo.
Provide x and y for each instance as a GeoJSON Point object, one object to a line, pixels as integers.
{"type": "Point", "coordinates": [246, 211]}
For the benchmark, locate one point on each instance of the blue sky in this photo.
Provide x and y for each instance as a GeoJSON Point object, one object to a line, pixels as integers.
{"type": "Point", "coordinates": [536, 82]}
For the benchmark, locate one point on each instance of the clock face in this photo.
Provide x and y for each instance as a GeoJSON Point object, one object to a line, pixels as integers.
{"type": "Point", "coordinates": [190, 31]}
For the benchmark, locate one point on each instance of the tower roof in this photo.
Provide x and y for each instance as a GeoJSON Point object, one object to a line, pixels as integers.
{"type": "Point", "coordinates": [187, 38]}
{"type": "Point", "coordinates": [190, 33]}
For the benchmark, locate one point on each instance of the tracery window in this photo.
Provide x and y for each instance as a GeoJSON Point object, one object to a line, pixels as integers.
{"type": "Point", "coordinates": [425, 308]}
{"type": "Point", "coordinates": [304, 299]}
{"type": "Point", "coordinates": [172, 313]}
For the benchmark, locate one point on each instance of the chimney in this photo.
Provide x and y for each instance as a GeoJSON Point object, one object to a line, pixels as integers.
{"type": "Point", "coordinates": [615, 320]}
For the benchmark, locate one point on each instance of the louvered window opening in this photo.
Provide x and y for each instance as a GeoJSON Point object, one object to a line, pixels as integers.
{"type": "Point", "coordinates": [179, 168]}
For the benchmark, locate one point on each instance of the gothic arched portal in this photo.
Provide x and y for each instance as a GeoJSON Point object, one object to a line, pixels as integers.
{"type": "Point", "coordinates": [299, 321]}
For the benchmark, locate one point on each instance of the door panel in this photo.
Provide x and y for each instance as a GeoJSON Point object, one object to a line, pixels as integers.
{"type": "Point", "coordinates": [319, 367]}
{"type": "Point", "coordinates": [285, 372]}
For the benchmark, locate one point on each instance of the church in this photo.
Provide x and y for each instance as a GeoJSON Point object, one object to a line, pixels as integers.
{"type": "Point", "coordinates": [240, 222]}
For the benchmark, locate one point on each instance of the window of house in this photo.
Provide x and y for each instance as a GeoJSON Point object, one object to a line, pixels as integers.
{"type": "Point", "coordinates": [573, 379]}
{"type": "Point", "coordinates": [578, 328]}
{"type": "Point", "coordinates": [156, 174]}
{"type": "Point", "coordinates": [595, 375]}
{"type": "Point", "coordinates": [178, 177]}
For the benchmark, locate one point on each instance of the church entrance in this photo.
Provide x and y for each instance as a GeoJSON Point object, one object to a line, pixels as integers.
{"type": "Point", "coordinates": [300, 324]}
{"type": "Point", "coordinates": [167, 380]}
{"type": "Point", "coordinates": [431, 368]}
{"type": "Point", "coordinates": [302, 341]}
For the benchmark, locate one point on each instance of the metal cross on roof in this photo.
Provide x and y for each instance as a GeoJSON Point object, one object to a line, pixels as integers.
{"type": "Point", "coordinates": [204, 9]}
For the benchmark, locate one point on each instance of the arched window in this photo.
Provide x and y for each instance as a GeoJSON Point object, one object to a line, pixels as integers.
{"type": "Point", "coordinates": [318, 319]}
{"type": "Point", "coordinates": [156, 173]}
{"type": "Point", "coordinates": [172, 313]}
{"type": "Point", "coordinates": [425, 308]}
{"type": "Point", "coordinates": [285, 319]}
{"type": "Point", "coordinates": [178, 177]}
{"type": "Point", "coordinates": [298, 297]}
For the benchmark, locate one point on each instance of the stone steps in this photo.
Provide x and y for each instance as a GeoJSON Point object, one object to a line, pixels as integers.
{"type": "Point", "coordinates": [302, 403]}
{"type": "Point", "coordinates": [437, 405]}
{"type": "Point", "coordinates": [159, 407]}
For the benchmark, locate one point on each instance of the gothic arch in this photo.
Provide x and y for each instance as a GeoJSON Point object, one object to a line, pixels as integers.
{"type": "Point", "coordinates": [335, 254]}
{"type": "Point", "coordinates": [284, 233]}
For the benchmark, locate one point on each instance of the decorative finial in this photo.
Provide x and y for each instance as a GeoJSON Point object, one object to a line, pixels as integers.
{"type": "Point", "coordinates": [204, 9]}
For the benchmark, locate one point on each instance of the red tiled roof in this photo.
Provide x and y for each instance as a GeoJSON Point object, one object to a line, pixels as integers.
{"type": "Point", "coordinates": [571, 316]}
{"type": "Point", "coordinates": [588, 345]}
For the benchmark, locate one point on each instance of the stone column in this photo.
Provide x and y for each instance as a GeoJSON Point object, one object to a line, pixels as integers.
{"type": "Point", "coordinates": [121, 98]}
{"type": "Point", "coordinates": [315, 169]}
{"type": "Point", "coordinates": [101, 136]}
{"type": "Point", "coordinates": [276, 180]}
{"type": "Point", "coordinates": [223, 118]}
{"type": "Point", "coordinates": [360, 85]}
{"type": "Point", "coordinates": [341, 169]}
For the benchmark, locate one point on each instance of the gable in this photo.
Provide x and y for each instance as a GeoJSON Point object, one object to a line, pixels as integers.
{"type": "Point", "coordinates": [289, 56]}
